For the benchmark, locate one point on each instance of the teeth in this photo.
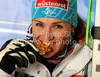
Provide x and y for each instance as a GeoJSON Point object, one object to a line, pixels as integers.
{"type": "Point", "coordinates": [51, 44]}
{"type": "Point", "coordinates": [46, 43]}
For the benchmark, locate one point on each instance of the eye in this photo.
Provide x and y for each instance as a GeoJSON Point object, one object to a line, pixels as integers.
{"type": "Point", "coordinates": [39, 24]}
{"type": "Point", "coordinates": [58, 26]}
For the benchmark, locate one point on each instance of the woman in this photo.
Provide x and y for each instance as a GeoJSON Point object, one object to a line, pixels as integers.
{"type": "Point", "coordinates": [56, 24]}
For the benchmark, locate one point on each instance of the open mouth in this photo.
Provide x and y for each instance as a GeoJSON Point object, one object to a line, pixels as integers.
{"type": "Point", "coordinates": [49, 44]}
{"type": "Point", "coordinates": [44, 47]}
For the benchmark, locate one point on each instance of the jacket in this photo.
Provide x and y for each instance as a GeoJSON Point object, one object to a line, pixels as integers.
{"type": "Point", "coordinates": [77, 64]}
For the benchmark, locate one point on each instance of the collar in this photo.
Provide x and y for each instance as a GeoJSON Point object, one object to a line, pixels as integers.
{"type": "Point", "coordinates": [58, 59]}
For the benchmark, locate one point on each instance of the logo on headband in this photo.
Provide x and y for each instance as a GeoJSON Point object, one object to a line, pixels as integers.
{"type": "Point", "coordinates": [52, 3]}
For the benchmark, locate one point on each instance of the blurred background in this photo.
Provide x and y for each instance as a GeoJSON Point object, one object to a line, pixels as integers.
{"type": "Point", "coordinates": [15, 17]}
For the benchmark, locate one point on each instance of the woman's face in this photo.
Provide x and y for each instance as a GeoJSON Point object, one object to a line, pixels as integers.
{"type": "Point", "coordinates": [54, 31]}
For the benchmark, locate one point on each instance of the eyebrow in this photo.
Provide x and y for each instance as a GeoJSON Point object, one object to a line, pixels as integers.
{"type": "Point", "coordinates": [38, 21]}
{"type": "Point", "coordinates": [59, 22]}
{"type": "Point", "coordinates": [53, 23]}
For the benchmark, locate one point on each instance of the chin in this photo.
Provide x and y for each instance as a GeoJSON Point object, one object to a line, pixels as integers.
{"type": "Point", "coordinates": [54, 51]}
{"type": "Point", "coordinates": [49, 54]}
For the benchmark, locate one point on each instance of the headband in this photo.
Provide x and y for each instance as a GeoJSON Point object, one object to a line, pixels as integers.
{"type": "Point", "coordinates": [60, 9]}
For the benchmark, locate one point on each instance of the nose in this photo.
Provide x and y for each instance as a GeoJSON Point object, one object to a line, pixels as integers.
{"type": "Point", "coordinates": [47, 35]}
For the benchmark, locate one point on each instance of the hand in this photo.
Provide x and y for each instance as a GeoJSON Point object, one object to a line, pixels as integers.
{"type": "Point", "coordinates": [18, 52]}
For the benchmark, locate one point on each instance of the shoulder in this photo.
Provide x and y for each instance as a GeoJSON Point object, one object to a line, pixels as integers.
{"type": "Point", "coordinates": [82, 42]}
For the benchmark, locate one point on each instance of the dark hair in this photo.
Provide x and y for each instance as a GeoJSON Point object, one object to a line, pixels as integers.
{"type": "Point", "coordinates": [80, 30]}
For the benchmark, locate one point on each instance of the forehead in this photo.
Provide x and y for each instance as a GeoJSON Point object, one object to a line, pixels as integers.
{"type": "Point", "coordinates": [50, 20]}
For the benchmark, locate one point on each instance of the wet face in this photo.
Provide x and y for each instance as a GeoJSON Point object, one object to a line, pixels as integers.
{"type": "Point", "coordinates": [56, 32]}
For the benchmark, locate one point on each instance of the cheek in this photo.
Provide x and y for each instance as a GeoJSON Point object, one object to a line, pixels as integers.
{"type": "Point", "coordinates": [63, 36]}
{"type": "Point", "coordinates": [62, 39]}
{"type": "Point", "coordinates": [36, 34]}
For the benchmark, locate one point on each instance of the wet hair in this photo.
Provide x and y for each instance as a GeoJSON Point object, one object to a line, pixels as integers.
{"type": "Point", "coordinates": [80, 30]}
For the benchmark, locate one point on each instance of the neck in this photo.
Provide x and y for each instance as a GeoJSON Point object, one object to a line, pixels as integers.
{"type": "Point", "coordinates": [60, 54]}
